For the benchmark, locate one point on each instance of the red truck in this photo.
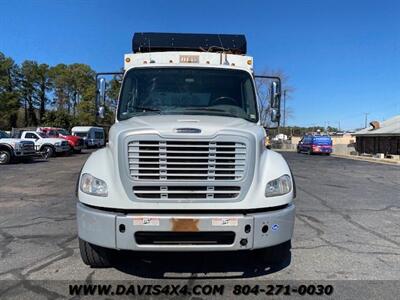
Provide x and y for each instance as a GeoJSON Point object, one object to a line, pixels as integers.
{"type": "Point", "coordinates": [75, 142]}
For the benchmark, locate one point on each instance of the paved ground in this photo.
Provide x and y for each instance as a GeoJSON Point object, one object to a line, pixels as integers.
{"type": "Point", "coordinates": [347, 227]}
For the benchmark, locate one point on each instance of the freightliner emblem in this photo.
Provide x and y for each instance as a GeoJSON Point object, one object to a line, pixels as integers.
{"type": "Point", "coordinates": [188, 130]}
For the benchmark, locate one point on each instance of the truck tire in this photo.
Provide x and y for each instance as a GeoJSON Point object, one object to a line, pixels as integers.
{"type": "Point", "coordinates": [47, 151]}
{"type": "Point", "coordinates": [5, 157]}
{"type": "Point", "coordinates": [94, 256]}
{"type": "Point", "coordinates": [275, 254]}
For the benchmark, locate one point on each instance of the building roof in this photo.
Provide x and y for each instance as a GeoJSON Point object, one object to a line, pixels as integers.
{"type": "Point", "coordinates": [388, 127]}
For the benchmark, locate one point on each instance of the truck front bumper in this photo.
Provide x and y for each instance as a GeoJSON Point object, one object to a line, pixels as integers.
{"type": "Point", "coordinates": [60, 149]}
{"type": "Point", "coordinates": [185, 232]}
{"type": "Point", "coordinates": [20, 154]}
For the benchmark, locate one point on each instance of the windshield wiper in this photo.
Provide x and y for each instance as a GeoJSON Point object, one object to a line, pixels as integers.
{"type": "Point", "coordinates": [146, 108]}
{"type": "Point", "coordinates": [224, 112]}
{"type": "Point", "coordinates": [205, 108]}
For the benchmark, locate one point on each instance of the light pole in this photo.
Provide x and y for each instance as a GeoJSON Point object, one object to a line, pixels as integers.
{"type": "Point", "coordinates": [284, 108]}
{"type": "Point", "coordinates": [366, 120]}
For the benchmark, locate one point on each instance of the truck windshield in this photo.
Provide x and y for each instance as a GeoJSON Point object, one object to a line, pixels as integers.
{"type": "Point", "coordinates": [4, 135]}
{"type": "Point", "coordinates": [81, 134]}
{"type": "Point", "coordinates": [191, 91]}
{"type": "Point", "coordinates": [42, 135]}
{"type": "Point", "coordinates": [62, 131]}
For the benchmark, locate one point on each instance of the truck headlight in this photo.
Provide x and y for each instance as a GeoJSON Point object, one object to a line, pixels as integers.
{"type": "Point", "coordinates": [58, 144]}
{"type": "Point", "coordinates": [279, 186]}
{"type": "Point", "coordinates": [93, 186]}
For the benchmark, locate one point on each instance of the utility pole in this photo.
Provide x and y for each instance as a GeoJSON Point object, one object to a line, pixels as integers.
{"type": "Point", "coordinates": [366, 120]}
{"type": "Point", "coordinates": [284, 108]}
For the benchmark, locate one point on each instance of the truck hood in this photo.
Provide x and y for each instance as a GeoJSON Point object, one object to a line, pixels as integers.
{"type": "Point", "coordinates": [72, 138]}
{"type": "Point", "coordinates": [10, 140]}
{"type": "Point", "coordinates": [166, 125]}
{"type": "Point", "coordinates": [51, 140]}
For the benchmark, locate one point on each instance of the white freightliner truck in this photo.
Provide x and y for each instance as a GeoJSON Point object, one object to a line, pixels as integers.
{"type": "Point", "coordinates": [186, 167]}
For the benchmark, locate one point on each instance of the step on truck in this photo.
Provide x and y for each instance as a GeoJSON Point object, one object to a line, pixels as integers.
{"type": "Point", "coordinates": [186, 167]}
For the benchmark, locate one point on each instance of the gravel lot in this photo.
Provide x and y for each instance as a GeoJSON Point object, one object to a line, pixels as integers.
{"type": "Point", "coordinates": [347, 227]}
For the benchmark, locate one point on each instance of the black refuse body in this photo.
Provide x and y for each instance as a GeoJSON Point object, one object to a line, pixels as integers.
{"type": "Point", "coordinates": [158, 42]}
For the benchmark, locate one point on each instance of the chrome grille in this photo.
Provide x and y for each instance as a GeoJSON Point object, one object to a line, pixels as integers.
{"type": "Point", "coordinates": [187, 160]}
{"type": "Point", "coordinates": [182, 192]}
{"type": "Point", "coordinates": [28, 147]}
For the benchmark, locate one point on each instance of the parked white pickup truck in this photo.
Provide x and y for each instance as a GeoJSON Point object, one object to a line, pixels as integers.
{"type": "Point", "coordinates": [47, 146]}
{"type": "Point", "coordinates": [16, 149]}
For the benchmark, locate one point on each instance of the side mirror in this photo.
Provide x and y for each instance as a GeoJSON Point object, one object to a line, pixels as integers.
{"type": "Point", "coordinates": [275, 115]}
{"type": "Point", "coordinates": [100, 96]}
{"type": "Point", "coordinates": [101, 88]}
{"type": "Point", "coordinates": [275, 101]}
{"type": "Point", "coordinates": [101, 112]}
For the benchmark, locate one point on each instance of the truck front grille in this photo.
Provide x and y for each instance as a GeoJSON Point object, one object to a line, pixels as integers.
{"type": "Point", "coordinates": [28, 147]}
{"type": "Point", "coordinates": [184, 192]}
{"type": "Point", "coordinates": [187, 160]}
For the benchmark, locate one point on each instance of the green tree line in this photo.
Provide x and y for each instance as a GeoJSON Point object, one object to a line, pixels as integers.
{"type": "Point", "coordinates": [36, 94]}
{"type": "Point", "coordinates": [300, 131]}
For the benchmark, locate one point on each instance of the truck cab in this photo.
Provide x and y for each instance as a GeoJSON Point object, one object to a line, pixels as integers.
{"type": "Point", "coordinates": [186, 167]}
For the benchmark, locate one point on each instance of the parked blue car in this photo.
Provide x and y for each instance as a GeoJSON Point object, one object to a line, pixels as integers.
{"type": "Point", "coordinates": [315, 144]}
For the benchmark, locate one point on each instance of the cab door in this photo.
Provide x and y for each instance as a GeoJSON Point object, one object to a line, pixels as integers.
{"type": "Point", "coordinates": [30, 136]}
{"type": "Point", "coordinates": [307, 143]}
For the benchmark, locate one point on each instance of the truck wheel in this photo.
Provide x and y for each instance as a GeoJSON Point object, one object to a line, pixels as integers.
{"type": "Point", "coordinates": [47, 152]}
{"type": "Point", "coordinates": [275, 254]}
{"type": "Point", "coordinates": [5, 157]}
{"type": "Point", "coordinates": [94, 256]}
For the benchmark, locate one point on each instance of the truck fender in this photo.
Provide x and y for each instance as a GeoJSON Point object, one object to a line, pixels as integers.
{"type": "Point", "coordinates": [273, 165]}
{"type": "Point", "coordinates": [77, 182]}
{"type": "Point", "coordinates": [47, 144]}
{"type": "Point", "coordinates": [7, 147]}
